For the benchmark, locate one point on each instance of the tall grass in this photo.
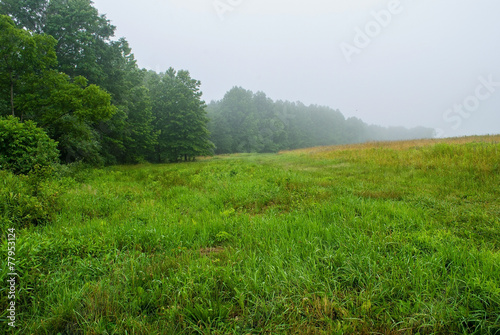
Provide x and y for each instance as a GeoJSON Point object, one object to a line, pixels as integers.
{"type": "Point", "coordinates": [395, 238]}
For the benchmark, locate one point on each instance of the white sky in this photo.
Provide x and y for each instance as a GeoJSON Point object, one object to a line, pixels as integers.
{"type": "Point", "coordinates": [428, 57]}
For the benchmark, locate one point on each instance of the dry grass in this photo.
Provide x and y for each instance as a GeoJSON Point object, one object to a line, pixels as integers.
{"type": "Point", "coordinates": [397, 145]}
{"type": "Point", "coordinates": [211, 251]}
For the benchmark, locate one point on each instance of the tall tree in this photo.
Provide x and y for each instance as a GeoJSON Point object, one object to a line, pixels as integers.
{"type": "Point", "coordinates": [21, 54]}
{"type": "Point", "coordinates": [68, 109]}
{"type": "Point", "coordinates": [82, 35]}
{"type": "Point", "coordinates": [84, 48]}
{"type": "Point", "coordinates": [126, 136]}
{"type": "Point", "coordinates": [246, 122]}
{"type": "Point", "coordinates": [82, 38]}
{"type": "Point", "coordinates": [28, 14]}
{"type": "Point", "coordinates": [238, 110]}
{"type": "Point", "coordinates": [140, 136]}
{"type": "Point", "coordinates": [179, 116]}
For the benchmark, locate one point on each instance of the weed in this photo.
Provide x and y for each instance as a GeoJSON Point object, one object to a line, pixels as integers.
{"type": "Point", "coordinates": [387, 238]}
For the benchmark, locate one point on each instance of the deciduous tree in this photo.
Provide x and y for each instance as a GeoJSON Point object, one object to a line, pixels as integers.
{"type": "Point", "coordinates": [22, 54]}
{"type": "Point", "coordinates": [179, 116]}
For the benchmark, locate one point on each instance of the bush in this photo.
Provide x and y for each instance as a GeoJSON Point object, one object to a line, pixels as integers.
{"type": "Point", "coordinates": [24, 145]}
{"type": "Point", "coordinates": [27, 200]}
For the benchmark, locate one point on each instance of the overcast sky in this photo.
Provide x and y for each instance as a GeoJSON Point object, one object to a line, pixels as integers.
{"type": "Point", "coordinates": [433, 63]}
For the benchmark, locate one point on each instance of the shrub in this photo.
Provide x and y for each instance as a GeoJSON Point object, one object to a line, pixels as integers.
{"type": "Point", "coordinates": [27, 200]}
{"type": "Point", "coordinates": [24, 145]}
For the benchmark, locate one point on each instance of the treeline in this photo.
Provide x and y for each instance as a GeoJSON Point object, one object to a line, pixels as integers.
{"type": "Point", "coordinates": [244, 121]}
{"type": "Point", "coordinates": [60, 68]}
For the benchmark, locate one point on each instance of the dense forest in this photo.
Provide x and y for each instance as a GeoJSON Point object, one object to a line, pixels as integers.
{"type": "Point", "coordinates": [244, 121]}
{"type": "Point", "coordinates": [62, 70]}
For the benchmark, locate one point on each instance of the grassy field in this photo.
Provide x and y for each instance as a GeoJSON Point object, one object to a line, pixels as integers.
{"type": "Point", "coordinates": [379, 238]}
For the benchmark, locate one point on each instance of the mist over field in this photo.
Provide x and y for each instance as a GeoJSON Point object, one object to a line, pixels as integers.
{"type": "Point", "coordinates": [315, 73]}
{"type": "Point", "coordinates": [427, 57]}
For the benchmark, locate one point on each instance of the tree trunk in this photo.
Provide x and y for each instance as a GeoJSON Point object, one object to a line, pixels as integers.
{"type": "Point", "coordinates": [12, 94]}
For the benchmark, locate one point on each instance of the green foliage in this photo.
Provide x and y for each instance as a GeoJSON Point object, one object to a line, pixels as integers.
{"type": "Point", "coordinates": [70, 111]}
{"type": "Point", "coordinates": [84, 49]}
{"type": "Point", "coordinates": [82, 36]}
{"type": "Point", "coordinates": [22, 54]}
{"type": "Point", "coordinates": [27, 200]}
{"type": "Point", "coordinates": [246, 122]}
{"type": "Point", "coordinates": [139, 136]}
{"type": "Point", "coordinates": [382, 237]}
{"type": "Point", "coordinates": [24, 146]}
{"type": "Point", "coordinates": [101, 108]}
{"type": "Point", "coordinates": [179, 116]}
{"type": "Point", "coordinates": [223, 236]}
{"type": "Point", "coordinates": [29, 14]}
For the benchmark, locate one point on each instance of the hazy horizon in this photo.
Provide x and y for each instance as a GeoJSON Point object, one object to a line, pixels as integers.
{"type": "Point", "coordinates": [390, 63]}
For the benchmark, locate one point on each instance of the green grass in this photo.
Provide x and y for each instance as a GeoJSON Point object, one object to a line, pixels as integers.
{"type": "Point", "coordinates": [384, 238]}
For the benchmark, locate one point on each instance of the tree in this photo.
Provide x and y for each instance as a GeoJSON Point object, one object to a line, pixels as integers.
{"type": "Point", "coordinates": [21, 54]}
{"type": "Point", "coordinates": [69, 110]}
{"type": "Point", "coordinates": [83, 38]}
{"type": "Point", "coordinates": [237, 109]}
{"type": "Point", "coordinates": [179, 116]}
{"type": "Point", "coordinates": [194, 137]}
{"type": "Point", "coordinates": [27, 14]}
{"type": "Point", "coordinates": [219, 129]}
{"type": "Point", "coordinates": [141, 137]}
{"type": "Point", "coordinates": [82, 35]}
{"type": "Point", "coordinates": [129, 136]}
{"type": "Point", "coordinates": [246, 122]}
{"type": "Point", "coordinates": [84, 48]}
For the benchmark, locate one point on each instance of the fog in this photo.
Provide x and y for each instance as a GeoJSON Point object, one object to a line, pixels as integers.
{"type": "Point", "coordinates": [392, 63]}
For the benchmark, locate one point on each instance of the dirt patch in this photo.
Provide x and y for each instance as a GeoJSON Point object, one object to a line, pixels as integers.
{"type": "Point", "coordinates": [211, 251]}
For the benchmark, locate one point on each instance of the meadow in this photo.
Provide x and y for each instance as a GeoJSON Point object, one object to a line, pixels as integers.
{"type": "Point", "coordinates": [377, 238]}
